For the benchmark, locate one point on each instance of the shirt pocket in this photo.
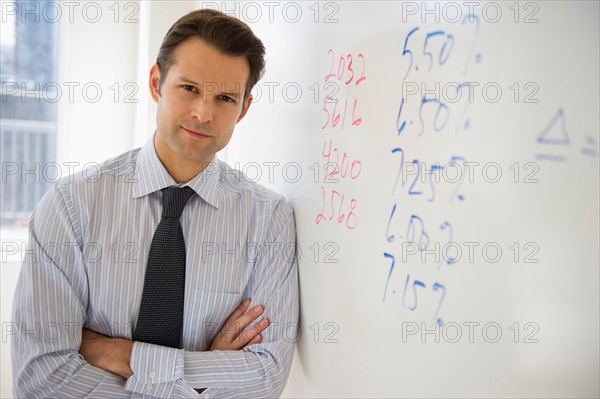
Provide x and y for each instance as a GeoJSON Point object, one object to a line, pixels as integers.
{"type": "Point", "coordinates": [207, 313]}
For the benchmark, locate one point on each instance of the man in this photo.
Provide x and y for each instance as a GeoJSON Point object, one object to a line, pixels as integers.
{"type": "Point", "coordinates": [85, 297]}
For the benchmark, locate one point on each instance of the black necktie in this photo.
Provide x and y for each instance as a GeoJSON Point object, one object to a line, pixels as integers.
{"type": "Point", "coordinates": [160, 320]}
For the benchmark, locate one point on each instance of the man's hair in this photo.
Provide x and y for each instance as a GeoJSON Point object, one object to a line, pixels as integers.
{"type": "Point", "coordinates": [227, 34]}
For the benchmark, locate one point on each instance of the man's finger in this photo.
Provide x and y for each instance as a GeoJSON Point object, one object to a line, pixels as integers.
{"type": "Point", "coordinates": [255, 340]}
{"type": "Point", "coordinates": [244, 320]}
{"type": "Point", "coordinates": [232, 335]}
{"type": "Point", "coordinates": [232, 320]}
{"type": "Point", "coordinates": [247, 336]}
{"type": "Point", "coordinates": [236, 326]}
{"type": "Point", "coordinates": [238, 312]}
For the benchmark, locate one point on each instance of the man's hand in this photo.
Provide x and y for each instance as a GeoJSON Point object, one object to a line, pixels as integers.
{"type": "Point", "coordinates": [110, 354]}
{"type": "Point", "coordinates": [232, 337]}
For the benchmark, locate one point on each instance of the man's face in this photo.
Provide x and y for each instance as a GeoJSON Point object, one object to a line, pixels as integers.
{"type": "Point", "coordinates": [201, 100]}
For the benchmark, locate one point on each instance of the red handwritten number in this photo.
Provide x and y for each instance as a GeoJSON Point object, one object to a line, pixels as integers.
{"type": "Point", "coordinates": [355, 163]}
{"type": "Point", "coordinates": [333, 192]}
{"type": "Point", "coordinates": [330, 74]}
{"type": "Point", "coordinates": [351, 214]}
{"type": "Point", "coordinates": [326, 111]}
{"type": "Point", "coordinates": [350, 69]}
{"type": "Point", "coordinates": [362, 74]}
{"type": "Point", "coordinates": [344, 169]}
{"type": "Point", "coordinates": [341, 168]}
{"type": "Point", "coordinates": [328, 176]}
{"type": "Point", "coordinates": [320, 216]}
{"type": "Point", "coordinates": [341, 67]}
{"type": "Point", "coordinates": [337, 162]}
{"type": "Point", "coordinates": [336, 118]}
{"type": "Point", "coordinates": [350, 218]}
{"type": "Point", "coordinates": [341, 216]}
{"type": "Point", "coordinates": [328, 154]}
{"type": "Point", "coordinates": [357, 121]}
{"type": "Point", "coordinates": [344, 118]}
{"type": "Point", "coordinates": [334, 165]}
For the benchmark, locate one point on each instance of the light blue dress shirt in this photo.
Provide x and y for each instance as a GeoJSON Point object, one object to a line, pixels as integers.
{"type": "Point", "coordinates": [84, 267]}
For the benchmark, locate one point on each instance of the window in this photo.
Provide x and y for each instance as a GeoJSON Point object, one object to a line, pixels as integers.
{"type": "Point", "coordinates": [28, 116]}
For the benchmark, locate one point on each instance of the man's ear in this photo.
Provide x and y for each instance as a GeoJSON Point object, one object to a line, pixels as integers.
{"type": "Point", "coordinates": [246, 105]}
{"type": "Point", "coordinates": [154, 82]}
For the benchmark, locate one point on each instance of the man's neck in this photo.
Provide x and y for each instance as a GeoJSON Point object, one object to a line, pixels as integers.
{"type": "Point", "coordinates": [181, 170]}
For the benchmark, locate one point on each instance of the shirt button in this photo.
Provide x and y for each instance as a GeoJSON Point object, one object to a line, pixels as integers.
{"type": "Point", "coordinates": [206, 396]}
{"type": "Point", "coordinates": [152, 374]}
{"type": "Point", "coordinates": [149, 387]}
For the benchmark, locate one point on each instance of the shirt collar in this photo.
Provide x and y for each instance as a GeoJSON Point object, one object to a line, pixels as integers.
{"type": "Point", "coordinates": [152, 176]}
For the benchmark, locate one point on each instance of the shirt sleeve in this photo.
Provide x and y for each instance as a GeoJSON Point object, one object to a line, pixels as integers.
{"type": "Point", "coordinates": [49, 312]}
{"type": "Point", "coordinates": [259, 370]}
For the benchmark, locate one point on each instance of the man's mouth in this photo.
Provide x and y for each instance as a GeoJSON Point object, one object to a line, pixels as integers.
{"type": "Point", "coordinates": [195, 133]}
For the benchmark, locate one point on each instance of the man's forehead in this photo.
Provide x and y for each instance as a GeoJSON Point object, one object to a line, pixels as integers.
{"type": "Point", "coordinates": [199, 62]}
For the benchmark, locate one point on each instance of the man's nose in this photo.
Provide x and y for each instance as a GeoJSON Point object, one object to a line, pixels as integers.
{"type": "Point", "coordinates": [202, 110]}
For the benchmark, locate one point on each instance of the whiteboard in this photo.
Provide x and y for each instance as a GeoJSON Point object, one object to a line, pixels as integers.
{"type": "Point", "coordinates": [446, 204]}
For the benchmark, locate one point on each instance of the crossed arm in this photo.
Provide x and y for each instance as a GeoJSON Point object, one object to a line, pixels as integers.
{"type": "Point", "coordinates": [85, 363]}
{"type": "Point", "coordinates": [114, 354]}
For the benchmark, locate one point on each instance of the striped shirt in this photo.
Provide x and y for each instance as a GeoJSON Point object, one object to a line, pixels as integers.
{"type": "Point", "coordinates": [84, 266]}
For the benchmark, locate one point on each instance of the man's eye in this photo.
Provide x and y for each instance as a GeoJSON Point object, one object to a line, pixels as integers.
{"type": "Point", "coordinates": [188, 88]}
{"type": "Point", "coordinates": [227, 99]}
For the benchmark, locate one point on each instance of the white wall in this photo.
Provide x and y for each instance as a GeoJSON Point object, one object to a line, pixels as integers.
{"type": "Point", "coordinates": [93, 55]}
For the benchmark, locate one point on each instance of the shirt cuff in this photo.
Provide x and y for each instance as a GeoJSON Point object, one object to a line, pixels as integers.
{"type": "Point", "coordinates": [155, 369]}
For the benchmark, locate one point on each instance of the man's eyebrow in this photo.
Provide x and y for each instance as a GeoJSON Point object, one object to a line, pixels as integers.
{"type": "Point", "coordinates": [233, 94]}
{"type": "Point", "coordinates": [186, 80]}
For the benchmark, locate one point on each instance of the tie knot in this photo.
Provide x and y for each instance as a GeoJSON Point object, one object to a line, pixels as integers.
{"type": "Point", "coordinates": [174, 200]}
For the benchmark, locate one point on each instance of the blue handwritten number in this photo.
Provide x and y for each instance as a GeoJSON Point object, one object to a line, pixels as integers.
{"type": "Point", "coordinates": [406, 51]}
{"type": "Point", "coordinates": [449, 39]}
{"type": "Point", "coordinates": [424, 241]}
{"type": "Point", "coordinates": [400, 126]}
{"type": "Point", "coordinates": [424, 101]}
{"type": "Point", "coordinates": [441, 106]}
{"type": "Point", "coordinates": [445, 51]}
{"type": "Point", "coordinates": [405, 288]}
{"type": "Point", "coordinates": [427, 53]}
{"type": "Point", "coordinates": [395, 150]}
{"type": "Point", "coordinates": [438, 286]}
{"type": "Point", "coordinates": [389, 256]}
{"type": "Point", "coordinates": [449, 261]}
{"type": "Point", "coordinates": [416, 284]}
{"type": "Point", "coordinates": [410, 190]}
{"type": "Point", "coordinates": [390, 237]}
{"type": "Point", "coordinates": [456, 159]}
{"type": "Point", "coordinates": [430, 172]}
